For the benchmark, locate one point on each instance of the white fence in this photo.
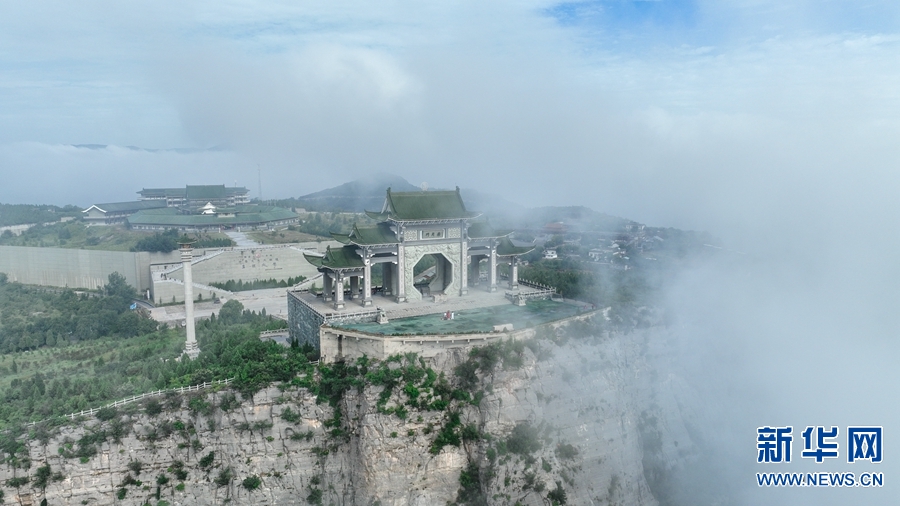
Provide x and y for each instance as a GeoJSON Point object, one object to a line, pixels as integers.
{"type": "Point", "coordinates": [135, 398]}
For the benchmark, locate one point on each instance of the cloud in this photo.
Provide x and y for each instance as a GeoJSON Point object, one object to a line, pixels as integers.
{"type": "Point", "coordinates": [65, 174]}
{"type": "Point", "coordinates": [773, 125]}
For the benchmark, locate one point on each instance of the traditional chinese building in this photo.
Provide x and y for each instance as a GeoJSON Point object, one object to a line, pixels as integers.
{"type": "Point", "coordinates": [411, 226]}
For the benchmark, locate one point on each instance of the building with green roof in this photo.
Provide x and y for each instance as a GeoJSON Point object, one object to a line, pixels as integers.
{"type": "Point", "coordinates": [411, 226]}
{"type": "Point", "coordinates": [117, 212]}
{"type": "Point", "coordinates": [212, 218]}
{"type": "Point", "coordinates": [195, 196]}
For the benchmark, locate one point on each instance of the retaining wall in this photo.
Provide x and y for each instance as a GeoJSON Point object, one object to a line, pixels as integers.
{"type": "Point", "coordinates": [342, 344]}
{"type": "Point", "coordinates": [74, 268]}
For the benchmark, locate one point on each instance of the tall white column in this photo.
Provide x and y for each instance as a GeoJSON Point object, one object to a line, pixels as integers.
{"type": "Point", "coordinates": [191, 349]}
{"type": "Point", "coordinates": [493, 273]}
{"type": "Point", "coordinates": [463, 258]}
{"type": "Point", "coordinates": [367, 282]}
{"type": "Point", "coordinates": [339, 291]}
{"type": "Point", "coordinates": [401, 274]}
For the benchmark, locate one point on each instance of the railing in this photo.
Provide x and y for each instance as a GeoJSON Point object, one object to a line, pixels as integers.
{"type": "Point", "coordinates": [279, 332]}
{"type": "Point", "coordinates": [540, 292]}
{"type": "Point", "coordinates": [135, 398]}
{"type": "Point", "coordinates": [370, 314]}
{"type": "Point", "coordinates": [197, 285]}
{"type": "Point", "coordinates": [299, 286]}
{"type": "Point", "coordinates": [538, 286]}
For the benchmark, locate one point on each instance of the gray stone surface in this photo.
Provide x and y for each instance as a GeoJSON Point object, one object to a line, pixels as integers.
{"type": "Point", "coordinates": [594, 394]}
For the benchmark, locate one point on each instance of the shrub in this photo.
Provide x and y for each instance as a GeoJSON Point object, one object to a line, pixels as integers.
{"type": "Point", "coordinates": [17, 482]}
{"type": "Point", "coordinates": [557, 496]}
{"type": "Point", "coordinates": [314, 497]}
{"type": "Point", "coordinates": [566, 451]}
{"type": "Point", "coordinates": [524, 439]}
{"type": "Point", "coordinates": [135, 466]}
{"type": "Point", "coordinates": [42, 476]}
{"type": "Point", "coordinates": [152, 407]}
{"type": "Point", "coordinates": [224, 477]}
{"type": "Point", "coordinates": [207, 461]}
{"type": "Point", "coordinates": [251, 482]}
{"type": "Point", "coordinates": [107, 413]}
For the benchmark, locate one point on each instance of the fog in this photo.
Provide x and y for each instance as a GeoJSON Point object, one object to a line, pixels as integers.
{"type": "Point", "coordinates": [773, 126]}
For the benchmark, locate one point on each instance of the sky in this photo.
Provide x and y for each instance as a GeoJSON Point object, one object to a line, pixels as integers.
{"type": "Point", "coordinates": [773, 125]}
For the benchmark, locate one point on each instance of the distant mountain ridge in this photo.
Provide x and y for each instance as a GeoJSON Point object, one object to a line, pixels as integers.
{"type": "Point", "coordinates": [365, 194]}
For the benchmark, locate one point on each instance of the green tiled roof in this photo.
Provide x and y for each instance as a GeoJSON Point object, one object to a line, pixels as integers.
{"type": "Point", "coordinates": [195, 192]}
{"type": "Point", "coordinates": [424, 205]}
{"type": "Point", "coordinates": [162, 192]}
{"type": "Point", "coordinates": [507, 248]}
{"type": "Point", "coordinates": [482, 229]}
{"type": "Point", "coordinates": [338, 258]}
{"type": "Point", "coordinates": [368, 234]}
{"type": "Point", "coordinates": [244, 215]}
{"type": "Point", "coordinates": [210, 191]}
{"type": "Point", "coordinates": [124, 207]}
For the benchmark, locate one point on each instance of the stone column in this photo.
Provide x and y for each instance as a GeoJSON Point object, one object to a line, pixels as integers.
{"type": "Point", "coordinates": [514, 273]}
{"type": "Point", "coordinates": [354, 287]}
{"type": "Point", "coordinates": [367, 283]}
{"type": "Point", "coordinates": [339, 291]}
{"type": "Point", "coordinates": [326, 286]}
{"type": "Point", "coordinates": [463, 258]}
{"type": "Point", "coordinates": [191, 349]}
{"type": "Point", "coordinates": [401, 274]}
{"type": "Point", "coordinates": [493, 274]}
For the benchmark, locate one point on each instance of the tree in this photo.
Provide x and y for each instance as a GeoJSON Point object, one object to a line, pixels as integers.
{"type": "Point", "coordinates": [121, 292]}
{"type": "Point", "coordinates": [231, 312]}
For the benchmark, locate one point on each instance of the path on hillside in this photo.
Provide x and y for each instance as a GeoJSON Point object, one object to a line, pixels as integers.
{"type": "Point", "coordinates": [241, 239]}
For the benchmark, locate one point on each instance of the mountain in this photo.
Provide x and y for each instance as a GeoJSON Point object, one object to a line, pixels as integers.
{"type": "Point", "coordinates": [365, 194]}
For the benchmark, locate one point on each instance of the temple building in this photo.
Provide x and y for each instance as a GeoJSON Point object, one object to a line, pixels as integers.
{"type": "Point", "coordinates": [410, 227]}
{"type": "Point", "coordinates": [195, 196]}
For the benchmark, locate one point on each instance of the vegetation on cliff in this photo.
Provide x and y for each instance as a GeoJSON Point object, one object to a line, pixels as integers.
{"type": "Point", "coordinates": [62, 352]}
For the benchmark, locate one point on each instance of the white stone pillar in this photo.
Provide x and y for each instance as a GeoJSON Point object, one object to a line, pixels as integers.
{"type": "Point", "coordinates": [493, 274]}
{"type": "Point", "coordinates": [401, 274]}
{"type": "Point", "coordinates": [367, 283]}
{"type": "Point", "coordinates": [339, 291]}
{"type": "Point", "coordinates": [191, 349]}
{"type": "Point", "coordinates": [463, 259]}
{"type": "Point", "coordinates": [514, 273]}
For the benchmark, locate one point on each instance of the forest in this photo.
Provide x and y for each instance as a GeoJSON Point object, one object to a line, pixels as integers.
{"type": "Point", "coordinates": [22, 214]}
{"type": "Point", "coordinates": [62, 352]}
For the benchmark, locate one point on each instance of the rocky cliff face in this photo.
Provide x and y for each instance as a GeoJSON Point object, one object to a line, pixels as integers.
{"type": "Point", "coordinates": [598, 424]}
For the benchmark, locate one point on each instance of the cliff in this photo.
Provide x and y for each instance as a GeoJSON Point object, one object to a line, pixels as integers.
{"type": "Point", "coordinates": [581, 420]}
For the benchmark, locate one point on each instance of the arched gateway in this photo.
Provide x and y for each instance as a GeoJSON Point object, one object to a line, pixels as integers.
{"type": "Point", "coordinates": [411, 226]}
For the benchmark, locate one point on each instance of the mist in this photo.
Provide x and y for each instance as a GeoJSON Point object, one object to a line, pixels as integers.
{"type": "Point", "coordinates": [773, 126]}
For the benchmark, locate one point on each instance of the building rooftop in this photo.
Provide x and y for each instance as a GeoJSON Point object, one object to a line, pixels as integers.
{"type": "Point", "coordinates": [244, 215]}
{"type": "Point", "coordinates": [423, 206]}
{"type": "Point", "coordinates": [337, 258]}
{"type": "Point", "coordinates": [368, 235]}
{"type": "Point", "coordinates": [124, 207]}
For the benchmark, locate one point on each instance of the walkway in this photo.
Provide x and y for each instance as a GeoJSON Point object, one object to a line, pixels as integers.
{"type": "Point", "coordinates": [241, 239]}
